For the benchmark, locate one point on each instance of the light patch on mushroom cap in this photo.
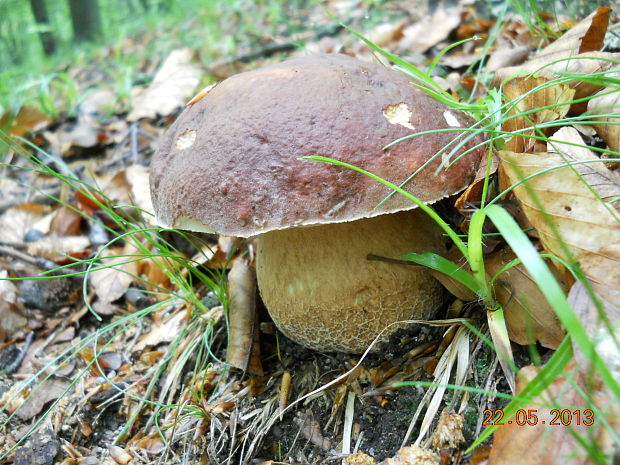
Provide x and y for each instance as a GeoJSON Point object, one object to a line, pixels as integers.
{"type": "Point", "coordinates": [186, 139]}
{"type": "Point", "coordinates": [451, 119]}
{"type": "Point", "coordinates": [399, 114]}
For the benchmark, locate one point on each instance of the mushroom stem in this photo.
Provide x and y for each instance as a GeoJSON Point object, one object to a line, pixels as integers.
{"type": "Point", "coordinates": [323, 292]}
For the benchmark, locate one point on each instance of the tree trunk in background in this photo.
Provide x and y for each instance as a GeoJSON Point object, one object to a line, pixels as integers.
{"type": "Point", "coordinates": [85, 19]}
{"type": "Point", "coordinates": [40, 15]}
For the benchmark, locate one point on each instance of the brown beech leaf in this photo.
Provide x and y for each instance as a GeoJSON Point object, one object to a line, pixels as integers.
{"type": "Point", "coordinates": [581, 38]}
{"type": "Point", "coordinates": [162, 331]}
{"type": "Point", "coordinates": [243, 350]}
{"type": "Point", "coordinates": [111, 283]}
{"type": "Point", "coordinates": [386, 33]}
{"type": "Point", "coordinates": [28, 119]}
{"type": "Point", "coordinates": [539, 443]}
{"type": "Point", "coordinates": [17, 221]}
{"type": "Point", "coordinates": [431, 28]}
{"type": "Point", "coordinates": [564, 200]}
{"type": "Point", "coordinates": [595, 33]}
{"type": "Point", "coordinates": [602, 327]}
{"type": "Point", "coordinates": [454, 286]}
{"type": "Point", "coordinates": [174, 83]}
{"type": "Point", "coordinates": [528, 315]}
{"type": "Point", "coordinates": [568, 143]}
{"type": "Point", "coordinates": [66, 222]}
{"type": "Point", "coordinates": [575, 54]}
{"type": "Point", "coordinates": [506, 54]}
{"type": "Point", "coordinates": [54, 247]}
{"type": "Point", "coordinates": [41, 395]}
{"type": "Point", "coordinates": [473, 194]}
{"type": "Point", "coordinates": [11, 316]}
{"type": "Point", "coordinates": [578, 67]}
{"type": "Point", "coordinates": [138, 178]}
{"type": "Point", "coordinates": [557, 97]}
{"type": "Point", "coordinates": [606, 102]}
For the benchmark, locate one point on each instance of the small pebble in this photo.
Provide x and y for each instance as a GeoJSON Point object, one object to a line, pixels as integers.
{"type": "Point", "coordinates": [33, 235]}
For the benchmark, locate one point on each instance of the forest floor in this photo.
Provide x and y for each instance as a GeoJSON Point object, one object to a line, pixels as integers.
{"type": "Point", "coordinates": [111, 362]}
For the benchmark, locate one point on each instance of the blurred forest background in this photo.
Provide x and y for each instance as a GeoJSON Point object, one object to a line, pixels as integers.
{"type": "Point", "coordinates": [39, 39]}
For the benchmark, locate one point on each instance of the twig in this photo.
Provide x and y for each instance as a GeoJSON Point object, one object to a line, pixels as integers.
{"type": "Point", "coordinates": [273, 48]}
{"type": "Point", "coordinates": [133, 131]}
{"type": "Point", "coordinates": [27, 258]}
{"type": "Point", "coordinates": [348, 423]}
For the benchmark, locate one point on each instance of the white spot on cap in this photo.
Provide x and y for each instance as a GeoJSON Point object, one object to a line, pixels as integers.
{"type": "Point", "coordinates": [451, 119]}
{"type": "Point", "coordinates": [186, 139]}
{"type": "Point", "coordinates": [398, 114]}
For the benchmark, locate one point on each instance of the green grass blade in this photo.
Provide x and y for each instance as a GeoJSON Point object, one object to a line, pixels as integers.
{"type": "Point", "coordinates": [445, 266]}
{"type": "Point", "coordinates": [540, 273]}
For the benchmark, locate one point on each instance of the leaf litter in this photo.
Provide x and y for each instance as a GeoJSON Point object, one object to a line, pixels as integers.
{"type": "Point", "coordinates": [149, 354]}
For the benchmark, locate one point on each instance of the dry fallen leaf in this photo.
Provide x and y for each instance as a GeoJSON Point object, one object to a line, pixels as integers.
{"type": "Point", "coordinates": [607, 102]}
{"type": "Point", "coordinates": [174, 83]}
{"type": "Point", "coordinates": [83, 133]}
{"type": "Point", "coordinates": [11, 317]}
{"type": "Point", "coordinates": [469, 200]}
{"type": "Point", "coordinates": [138, 178]}
{"type": "Point", "coordinates": [568, 143]}
{"type": "Point", "coordinates": [111, 283]}
{"type": "Point", "coordinates": [41, 395]}
{"type": "Point", "coordinates": [602, 328]}
{"type": "Point", "coordinates": [539, 442]}
{"type": "Point", "coordinates": [580, 39]}
{"type": "Point", "coordinates": [431, 28]}
{"type": "Point", "coordinates": [66, 222]}
{"type": "Point", "coordinates": [54, 247]}
{"type": "Point", "coordinates": [553, 101]}
{"type": "Point", "coordinates": [506, 54]}
{"type": "Point", "coordinates": [565, 200]}
{"type": "Point", "coordinates": [384, 34]}
{"type": "Point", "coordinates": [454, 286]}
{"type": "Point", "coordinates": [16, 222]}
{"type": "Point", "coordinates": [162, 332]}
{"type": "Point", "coordinates": [574, 54]}
{"type": "Point", "coordinates": [28, 119]}
{"type": "Point", "coordinates": [529, 317]}
{"type": "Point", "coordinates": [243, 349]}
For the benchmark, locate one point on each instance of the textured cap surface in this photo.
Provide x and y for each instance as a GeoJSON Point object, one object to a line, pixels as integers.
{"type": "Point", "coordinates": [229, 164]}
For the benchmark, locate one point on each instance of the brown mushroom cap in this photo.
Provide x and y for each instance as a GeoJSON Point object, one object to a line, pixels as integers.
{"type": "Point", "coordinates": [229, 164]}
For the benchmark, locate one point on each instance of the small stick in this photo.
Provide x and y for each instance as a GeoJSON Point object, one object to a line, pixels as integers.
{"type": "Point", "coordinates": [27, 258]}
{"type": "Point", "coordinates": [133, 130]}
{"type": "Point", "coordinates": [285, 389]}
{"type": "Point", "coordinates": [348, 423]}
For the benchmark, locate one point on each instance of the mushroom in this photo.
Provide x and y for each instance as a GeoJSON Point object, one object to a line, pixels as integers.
{"type": "Point", "coordinates": [230, 165]}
